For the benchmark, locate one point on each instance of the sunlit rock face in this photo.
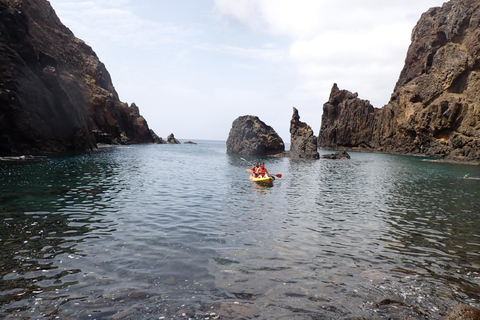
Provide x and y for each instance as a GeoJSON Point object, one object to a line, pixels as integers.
{"type": "Point", "coordinates": [434, 109]}
{"type": "Point", "coordinates": [303, 143]}
{"type": "Point", "coordinates": [55, 94]}
{"type": "Point", "coordinates": [251, 136]}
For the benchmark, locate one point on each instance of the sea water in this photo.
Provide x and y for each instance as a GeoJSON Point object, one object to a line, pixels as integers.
{"type": "Point", "coordinates": [179, 232]}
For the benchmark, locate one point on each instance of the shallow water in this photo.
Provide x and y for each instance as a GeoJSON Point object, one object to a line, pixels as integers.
{"type": "Point", "coordinates": [178, 232]}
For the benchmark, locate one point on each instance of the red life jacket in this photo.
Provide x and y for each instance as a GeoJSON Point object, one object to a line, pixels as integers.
{"type": "Point", "coordinates": [261, 170]}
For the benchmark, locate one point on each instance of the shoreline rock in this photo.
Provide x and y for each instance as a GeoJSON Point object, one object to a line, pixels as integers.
{"type": "Point", "coordinates": [337, 155]}
{"type": "Point", "coordinates": [433, 110]}
{"type": "Point", "coordinates": [56, 96]}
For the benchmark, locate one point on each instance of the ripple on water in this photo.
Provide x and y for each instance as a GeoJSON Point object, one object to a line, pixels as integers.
{"type": "Point", "coordinates": [150, 232]}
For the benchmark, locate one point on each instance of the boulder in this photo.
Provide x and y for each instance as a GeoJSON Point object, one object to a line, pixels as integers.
{"type": "Point", "coordinates": [303, 143]}
{"type": "Point", "coordinates": [55, 94]}
{"type": "Point", "coordinates": [251, 136]}
{"type": "Point", "coordinates": [337, 155]}
{"type": "Point", "coordinates": [189, 142]}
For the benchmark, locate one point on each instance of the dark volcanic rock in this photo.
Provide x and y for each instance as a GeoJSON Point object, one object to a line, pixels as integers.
{"type": "Point", "coordinates": [303, 143]}
{"type": "Point", "coordinates": [251, 136]}
{"type": "Point", "coordinates": [171, 139]}
{"type": "Point", "coordinates": [55, 94]}
{"type": "Point", "coordinates": [347, 121]}
{"type": "Point", "coordinates": [434, 108]}
{"type": "Point", "coordinates": [463, 312]}
{"type": "Point", "coordinates": [337, 155]}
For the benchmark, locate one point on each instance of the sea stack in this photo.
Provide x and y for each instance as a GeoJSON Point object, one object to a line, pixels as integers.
{"type": "Point", "coordinates": [347, 121]}
{"type": "Point", "coordinates": [251, 136]}
{"type": "Point", "coordinates": [303, 143]}
{"type": "Point", "coordinates": [434, 109]}
{"type": "Point", "coordinates": [55, 94]}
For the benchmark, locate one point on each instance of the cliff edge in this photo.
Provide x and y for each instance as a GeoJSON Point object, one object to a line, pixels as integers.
{"type": "Point", "coordinates": [55, 94]}
{"type": "Point", "coordinates": [434, 109]}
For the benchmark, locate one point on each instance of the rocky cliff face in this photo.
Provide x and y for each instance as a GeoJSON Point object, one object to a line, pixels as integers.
{"type": "Point", "coordinates": [55, 94]}
{"type": "Point", "coordinates": [434, 109]}
{"type": "Point", "coordinates": [347, 121]}
{"type": "Point", "coordinates": [251, 136]}
{"type": "Point", "coordinates": [303, 143]}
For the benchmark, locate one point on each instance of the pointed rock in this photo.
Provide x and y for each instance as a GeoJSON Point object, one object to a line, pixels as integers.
{"type": "Point", "coordinates": [171, 139]}
{"type": "Point", "coordinates": [303, 144]}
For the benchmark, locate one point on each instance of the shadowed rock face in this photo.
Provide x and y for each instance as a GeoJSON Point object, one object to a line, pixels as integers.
{"type": "Point", "coordinates": [251, 136]}
{"type": "Point", "coordinates": [303, 143]}
{"type": "Point", "coordinates": [434, 109]}
{"type": "Point", "coordinates": [55, 94]}
{"type": "Point", "coordinates": [347, 121]}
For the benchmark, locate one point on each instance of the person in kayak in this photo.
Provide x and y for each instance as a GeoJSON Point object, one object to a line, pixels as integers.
{"type": "Point", "coordinates": [262, 171]}
{"type": "Point", "coordinates": [254, 169]}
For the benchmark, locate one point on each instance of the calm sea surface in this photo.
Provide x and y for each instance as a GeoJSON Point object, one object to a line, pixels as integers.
{"type": "Point", "coordinates": [178, 232]}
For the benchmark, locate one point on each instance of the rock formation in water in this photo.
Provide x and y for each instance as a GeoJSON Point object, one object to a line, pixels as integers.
{"type": "Point", "coordinates": [55, 94]}
{"type": "Point", "coordinates": [303, 143]}
{"type": "Point", "coordinates": [337, 155]}
{"type": "Point", "coordinates": [347, 121]}
{"type": "Point", "coordinates": [171, 139]}
{"type": "Point", "coordinates": [434, 109]}
{"type": "Point", "coordinates": [251, 136]}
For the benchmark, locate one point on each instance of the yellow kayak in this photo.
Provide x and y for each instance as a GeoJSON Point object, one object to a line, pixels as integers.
{"type": "Point", "coordinates": [266, 180]}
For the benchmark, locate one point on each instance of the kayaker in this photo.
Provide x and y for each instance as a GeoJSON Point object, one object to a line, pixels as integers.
{"type": "Point", "coordinates": [254, 169]}
{"type": "Point", "coordinates": [262, 170]}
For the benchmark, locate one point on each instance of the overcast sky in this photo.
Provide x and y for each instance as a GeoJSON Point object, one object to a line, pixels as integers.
{"type": "Point", "coordinates": [194, 66]}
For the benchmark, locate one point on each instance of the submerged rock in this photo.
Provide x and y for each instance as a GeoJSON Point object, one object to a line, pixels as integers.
{"type": "Point", "coordinates": [337, 155]}
{"type": "Point", "coordinates": [303, 143]}
{"type": "Point", "coordinates": [251, 136]}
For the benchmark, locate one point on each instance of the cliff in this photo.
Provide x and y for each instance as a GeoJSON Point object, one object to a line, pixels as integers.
{"type": "Point", "coordinates": [55, 94]}
{"type": "Point", "coordinates": [434, 109]}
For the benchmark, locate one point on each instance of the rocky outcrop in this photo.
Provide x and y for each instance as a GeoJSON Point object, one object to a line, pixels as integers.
{"type": "Point", "coordinates": [336, 155]}
{"type": "Point", "coordinates": [434, 109]}
{"type": "Point", "coordinates": [347, 121]}
{"type": "Point", "coordinates": [251, 136]}
{"type": "Point", "coordinates": [55, 94]}
{"type": "Point", "coordinates": [171, 139]}
{"type": "Point", "coordinates": [303, 143]}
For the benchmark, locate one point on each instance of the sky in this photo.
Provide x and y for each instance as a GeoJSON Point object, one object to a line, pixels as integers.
{"type": "Point", "coordinates": [194, 66]}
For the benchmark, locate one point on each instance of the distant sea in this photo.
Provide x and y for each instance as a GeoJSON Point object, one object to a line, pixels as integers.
{"type": "Point", "coordinates": [179, 232]}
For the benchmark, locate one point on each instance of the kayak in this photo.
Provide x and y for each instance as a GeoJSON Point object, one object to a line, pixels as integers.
{"type": "Point", "coordinates": [266, 180]}
{"type": "Point", "coordinates": [471, 178]}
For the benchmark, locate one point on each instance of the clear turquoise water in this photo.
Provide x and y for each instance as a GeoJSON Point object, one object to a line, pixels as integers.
{"type": "Point", "coordinates": [178, 232]}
